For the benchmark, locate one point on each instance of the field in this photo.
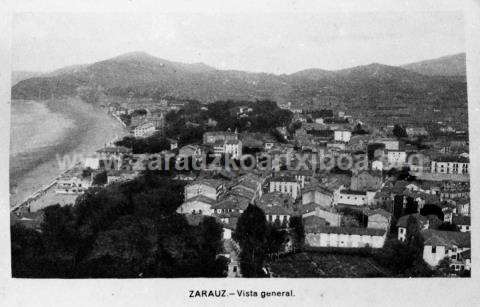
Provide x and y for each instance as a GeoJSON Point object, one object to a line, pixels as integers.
{"type": "Point", "coordinates": [320, 264]}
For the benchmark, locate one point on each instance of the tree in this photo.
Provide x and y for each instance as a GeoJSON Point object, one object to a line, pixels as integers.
{"type": "Point", "coordinates": [429, 209]}
{"type": "Point", "coordinates": [446, 226]}
{"type": "Point", "coordinates": [100, 178]}
{"type": "Point", "coordinates": [358, 130]}
{"type": "Point", "coordinates": [298, 232]}
{"type": "Point", "coordinates": [251, 235]}
{"type": "Point", "coordinates": [399, 131]}
{"type": "Point", "coordinates": [411, 206]}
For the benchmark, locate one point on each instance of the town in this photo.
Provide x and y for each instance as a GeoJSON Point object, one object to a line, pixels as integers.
{"type": "Point", "coordinates": [395, 201]}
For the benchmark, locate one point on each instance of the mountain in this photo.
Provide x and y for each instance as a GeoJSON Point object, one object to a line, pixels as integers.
{"type": "Point", "coordinates": [451, 65]}
{"type": "Point", "coordinates": [375, 91]}
{"type": "Point", "coordinates": [19, 75]}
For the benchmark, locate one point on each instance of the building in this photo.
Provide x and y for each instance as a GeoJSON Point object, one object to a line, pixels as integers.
{"type": "Point", "coordinates": [390, 143]}
{"type": "Point", "coordinates": [114, 176]}
{"type": "Point", "coordinates": [450, 166]}
{"type": "Point", "coordinates": [144, 130]}
{"type": "Point", "coordinates": [416, 131]}
{"type": "Point", "coordinates": [212, 137]}
{"type": "Point", "coordinates": [331, 217]}
{"type": "Point", "coordinates": [210, 188]}
{"type": "Point", "coordinates": [233, 148]}
{"type": "Point", "coordinates": [463, 222]}
{"type": "Point", "coordinates": [346, 237]}
{"type": "Point", "coordinates": [313, 222]}
{"type": "Point", "coordinates": [72, 184]}
{"type": "Point", "coordinates": [285, 184]}
{"type": "Point", "coordinates": [402, 224]}
{"type": "Point", "coordinates": [441, 244]}
{"type": "Point", "coordinates": [342, 135]}
{"type": "Point", "coordinates": [317, 195]}
{"type": "Point", "coordinates": [379, 219]}
{"type": "Point", "coordinates": [396, 158]}
{"type": "Point", "coordinates": [277, 214]}
{"type": "Point", "coordinates": [353, 198]}
{"type": "Point", "coordinates": [190, 151]}
{"type": "Point", "coordinates": [366, 180]}
{"type": "Point", "coordinates": [198, 204]}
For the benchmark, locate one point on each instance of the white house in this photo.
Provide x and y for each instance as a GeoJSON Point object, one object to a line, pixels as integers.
{"type": "Point", "coordinates": [207, 187]}
{"type": "Point", "coordinates": [71, 184]}
{"type": "Point", "coordinates": [342, 135]}
{"type": "Point", "coordinates": [461, 166]}
{"type": "Point", "coordinates": [353, 198]}
{"type": "Point", "coordinates": [285, 184]}
{"type": "Point", "coordinates": [441, 244]}
{"type": "Point", "coordinates": [396, 158]}
{"type": "Point", "coordinates": [144, 130]}
{"type": "Point", "coordinates": [92, 162]}
{"type": "Point", "coordinates": [197, 205]}
{"type": "Point", "coordinates": [233, 148]}
{"type": "Point", "coordinates": [346, 237]}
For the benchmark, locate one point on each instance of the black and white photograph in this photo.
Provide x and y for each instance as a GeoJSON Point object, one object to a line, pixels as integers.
{"type": "Point", "coordinates": [305, 145]}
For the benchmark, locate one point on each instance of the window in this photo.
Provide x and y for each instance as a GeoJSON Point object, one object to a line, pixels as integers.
{"type": "Point", "coordinates": [234, 269]}
{"type": "Point", "coordinates": [434, 249]}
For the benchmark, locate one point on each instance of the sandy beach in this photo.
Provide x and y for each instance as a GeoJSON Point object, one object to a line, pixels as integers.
{"type": "Point", "coordinates": [87, 129]}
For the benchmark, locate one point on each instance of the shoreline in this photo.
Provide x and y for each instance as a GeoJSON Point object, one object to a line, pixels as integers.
{"type": "Point", "coordinates": [91, 130]}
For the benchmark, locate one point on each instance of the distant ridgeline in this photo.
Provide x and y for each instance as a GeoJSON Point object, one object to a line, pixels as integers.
{"type": "Point", "coordinates": [415, 89]}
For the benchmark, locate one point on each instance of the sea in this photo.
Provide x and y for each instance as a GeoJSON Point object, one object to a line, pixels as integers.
{"type": "Point", "coordinates": [36, 133]}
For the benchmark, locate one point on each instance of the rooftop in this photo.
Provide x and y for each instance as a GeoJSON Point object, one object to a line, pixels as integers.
{"type": "Point", "coordinates": [446, 238]}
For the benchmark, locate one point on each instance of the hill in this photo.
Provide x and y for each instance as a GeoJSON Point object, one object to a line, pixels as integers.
{"type": "Point", "coordinates": [19, 75]}
{"type": "Point", "coordinates": [375, 92]}
{"type": "Point", "coordinates": [451, 65]}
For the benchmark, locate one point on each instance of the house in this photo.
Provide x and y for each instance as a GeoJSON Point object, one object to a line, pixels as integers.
{"type": "Point", "coordinates": [441, 244]}
{"type": "Point", "coordinates": [137, 117]}
{"type": "Point", "coordinates": [144, 130]}
{"type": "Point", "coordinates": [318, 195]}
{"type": "Point", "coordinates": [396, 158]}
{"type": "Point", "coordinates": [346, 237]}
{"type": "Point", "coordinates": [72, 184]}
{"type": "Point", "coordinates": [229, 205]}
{"type": "Point", "coordinates": [198, 204]}
{"type": "Point", "coordinates": [390, 143]}
{"type": "Point", "coordinates": [277, 213]}
{"type": "Point", "coordinates": [157, 118]}
{"type": "Point", "coordinates": [352, 198]}
{"type": "Point", "coordinates": [342, 135]}
{"type": "Point", "coordinates": [190, 151]}
{"type": "Point", "coordinates": [275, 199]}
{"type": "Point", "coordinates": [233, 148]}
{"type": "Point", "coordinates": [212, 137]}
{"type": "Point", "coordinates": [285, 184]}
{"type": "Point", "coordinates": [322, 113]}
{"type": "Point", "coordinates": [313, 222]}
{"type": "Point", "coordinates": [366, 180]}
{"type": "Point", "coordinates": [463, 222]}
{"type": "Point", "coordinates": [450, 165]}
{"type": "Point", "coordinates": [402, 224]}
{"type": "Point", "coordinates": [379, 219]}
{"type": "Point", "coordinates": [173, 143]}
{"type": "Point", "coordinates": [331, 217]}
{"type": "Point", "coordinates": [416, 131]}
{"type": "Point", "coordinates": [210, 188]}
{"type": "Point", "coordinates": [114, 176]}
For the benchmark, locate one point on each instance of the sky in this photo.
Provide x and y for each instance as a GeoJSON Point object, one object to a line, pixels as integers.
{"type": "Point", "coordinates": [276, 42]}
